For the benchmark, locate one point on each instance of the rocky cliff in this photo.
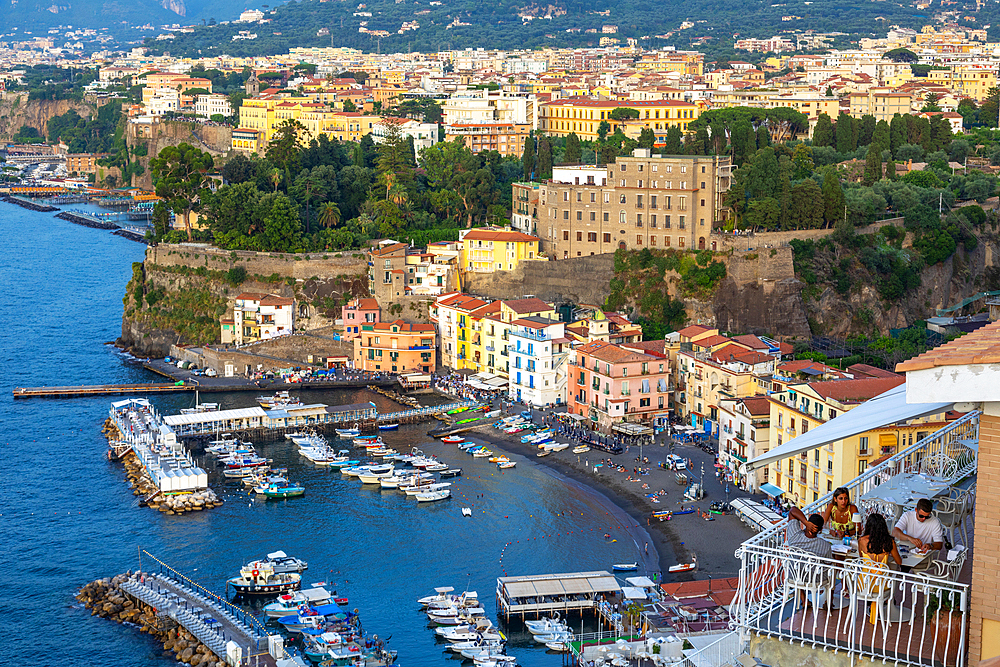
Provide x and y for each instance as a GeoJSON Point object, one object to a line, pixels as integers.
{"type": "Point", "coordinates": [178, 293]}
{"type": "Point", "coordinates": [16, 111]}
{"type": "Point", "coordinates": [214, 139]}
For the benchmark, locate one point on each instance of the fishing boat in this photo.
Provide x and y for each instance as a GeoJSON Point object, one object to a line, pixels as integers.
{"type": "Point", "coordinates": [505, 465]}
{"type": "Point", "coordinates": [546, 626]}
{"type": "Point", "coordinates": [482, 453]}
{"type": "Point", "coordinates": [451, 472]}
{"type": "Point", "coordinates": [424, 488]}
{"type": "Point", "coordinates": [280, 399]}
{"type": "Point", "coordinates": [309, 617]}
{"type": "Point", "coordinates": [376, 473]}
{"type": "Point", "coordinates": [278, 491]}
{"type": "Point", "coordinates": [685, 567]}
{"type": "Point", "coordinates": [558, 647]}
{"type": "Point", "coordinates": [388, 427]}
{"type": "Point", "coordinates": [289, 603]}
{"type": "Point", "coordinates": [452, 439]}
{"type": "Point", "coordinates": [368, 440]}
{"type": "Point", "coordinates": [259, 578]}
{"type": "Point", "coordinates": [348, 432]}
{"type": "Point", "coordinates": [436, 467]}
{"type": "Point", "coordinates": [432, 496]}
{"type": "Point", "coordinates": [625, 567]}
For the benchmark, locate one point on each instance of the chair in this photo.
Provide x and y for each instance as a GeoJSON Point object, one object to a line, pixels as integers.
{"type": "Point", "coordinates": [951, 512]}
{"type": "Point", "coordinates": [805, 572]}
{"type": "Point", "coordinates": [868, 581]}
{"type": "Point", "coordinates": [939, 465]}
{"type": "Point", "coordinates": [949, 569]}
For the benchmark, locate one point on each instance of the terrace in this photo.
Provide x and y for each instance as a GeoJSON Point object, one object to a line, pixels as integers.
{"type": "Point", "coordinates": [915, 617]}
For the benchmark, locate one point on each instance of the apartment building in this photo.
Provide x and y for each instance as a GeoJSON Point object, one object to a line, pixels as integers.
{"type": "Point", "coordinates": [492, 329]}
{"type": "Point", "coordinates": [486, 106]}
{"type": "Point", "coordinates": [799, 407]}
{"type": "Point", "coordinates": [646, 202]}
{"type": "Point", "coordinates": [424, 135]}
{"type": "Point", "coordinates": [524, 212]}
{"type": "Point", "coordinates": [395, 347]}
{"type": "Point", "coordinates": [258, 316]}
{"type": "Point", "coordinates": [485, 250]}
{"type": "Point", "coordinates": [743, 434]}
{"type": "Point", "coordinates": [882, 103]}
{"type": "Point", "coordinates": [608, 327]}
{"type": "Point", "coordinates": [207, 106]}
{"type": "Point", "coordinates": [610, 384]}
{"type": "Point", "coordinates": [397, 270]}
{"type": "Point", "coordinates": [538, 350]}
{"type": "Point", "coordinates": [974, 82]}
{"type": "Point", "coordinates": [505, 138]}
{"type": "Point", "coordinates": [584, 117]}
{"type": "Point", "coordinates": [358, 312]}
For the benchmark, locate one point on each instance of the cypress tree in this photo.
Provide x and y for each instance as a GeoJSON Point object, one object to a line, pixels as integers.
{"type": "Point", "coordinates": [845, 134]}
{"type": "Point", "coordinates": [873, 165]}
{"type": "Point", "coordinates": [823, 132]}
{"type": "Point", "coordinates": [833, 198]}
{"type": "Point", "coordinates": [528, 158]}
{"type": "Point", "coordinates": [572, 152]}
{"type": "Point", "coordinates": [674, 144]}
{"type": "Point", "coordinates": [544, 159]}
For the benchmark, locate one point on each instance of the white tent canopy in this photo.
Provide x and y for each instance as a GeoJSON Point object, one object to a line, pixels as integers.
{"type": "Point", "coordinates": [887, 408]}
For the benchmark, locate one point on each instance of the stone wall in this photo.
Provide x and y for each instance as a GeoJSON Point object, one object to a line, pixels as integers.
{"type": "Point", "coordinates": [759, 266]}
{"type": "Point", "coordinates": [774, 239]}
{"type": "Point", "coordinates": [577, 280]}
{"type": "Point", "coordinates": [214, 139]}
{"type": "Point", "coordinates": [303, 266]}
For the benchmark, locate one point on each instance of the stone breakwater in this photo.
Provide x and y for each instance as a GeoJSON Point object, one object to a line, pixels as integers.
{"type": "Point", "coordinates": [85, 221]}
{"type": "Point", "coordinates": [30, 205]}
{"type": "Point", "coordinates": [105, 598]}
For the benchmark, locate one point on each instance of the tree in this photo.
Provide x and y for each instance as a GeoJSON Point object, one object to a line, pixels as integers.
{"type": "Point", "coordinates": [900, 56]}
{"type": "Point", "coordinates": [717, 131]}
{"type": "Point", "coordinates": [329, 215]}
{"type": "Point", "coordinates": [603, 129]}
{"type": "Point", "coordinates": [282, 228]}
{"type": "Point", "coordinates": [866, 129]}
{"type": "Point", "coordinates": [873, 166]}
{"type": "Point", "coordinates": [931, 103]}
{"type": "Point", "coordinates": [528, 158]}
{"type": "Point", "coordinates": [807, 206]}
{"type": "Point", "coordinates": [833, 197]}
{"type": "Point", "coordinates": [572, 152]}
{"type": "Point", "coordinates": [179, 176]}
{"type": "Point", "coordinates": [890, 170]}
{"type": "Point", "coordinates": [283, 149]}
{"type": "Point", "coordinates": [823, 134]}
{"type": "Point", "coordinates": [607, 153]}
{"type": "Point", "coordinates": [763, 136]}
{"type": "Point", "coordinates": [803, 161]}
{"type": "Point", "coordinates": [393, 163]}
{"type": "Point", "coordinates": [544, 159]}
{"type": "Point", "coordinates": [674, 143]}
{"type": "Point", "coordinates": [624, 113]}
{"type": "Point", "coordinates": [350, 107]}
{"type": "Point", "coordinates": [161, 220]}
{"type": "Point", "coordinates": [881, 135]}
{"type": "Point", "coordinates": [647, 138]}
{"type": "Point", "coordinates": [846, 142]}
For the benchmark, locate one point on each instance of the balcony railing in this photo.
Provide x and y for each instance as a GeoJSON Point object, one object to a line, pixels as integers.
{"type": "Point", "coordinates": [922, 617]}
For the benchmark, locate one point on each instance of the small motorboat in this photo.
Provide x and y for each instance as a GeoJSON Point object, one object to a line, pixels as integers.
{"type": "Point", "coordinates": [289, 603]}
{"type": "Point", "coordinates": [367, 440]}
{"type": "Point", "coordinates": [348, 432]}
{"type": "Point", "coordinates": [546, 626]}
{"type": "Point", "coordinates": [625, 567]}
{"type": "Point", "coordinates": [451, 472]}
{"type": "Point", "coordinates": [685, 567]}
{"type": "Point", "coordinates": [541, 454]}
{"type": "Point", "coordinates": [558, 647]}
{"type": "Point", "coordinates": [466, 511]}
{"type": "Point", "coordinates": [431, 496]}
{"type": "Point", "coordinates": [259, 578]}
{"type": "Point", "coordinates": [276, 491]}
{"type": "Point", "coordinates": [290, 435]}
{"type": "Point", "coordinates": [388, 427]}
{"type": "Point", "coordinates": [440, 595]}
{"type": "Point", "coordinates": [436, 467]}
{"type": "Point", "coordinates": [482, 453]}
{"type": "Point", "coordinates": [560, 447]}
{"type": "Point", "coordinates": [504, 465]}
{"type": "Point", "coordinates": [564, 636]}
{"type": "Point", "coordinates": [280, 400]}
{"type": "Point", "coordinates": [453, 439]}
{"type": "Point", "coordinates": [581, 449]}
{"type": "Point", "coordinates": [282, 562]}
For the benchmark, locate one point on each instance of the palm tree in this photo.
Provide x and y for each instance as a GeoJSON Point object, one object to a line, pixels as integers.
{"type": "Point", "coordinates": [329, 215]}
{"type": "Point", "coordinates": [276, 177]}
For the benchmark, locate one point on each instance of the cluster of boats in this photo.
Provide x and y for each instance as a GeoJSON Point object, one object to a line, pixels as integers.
{"type": "Point", "coordinates": [552, 632]}
{"type": "Point", "coordinates": [241, 461]}
{"type": "Point", "coordinates": [480, 452]}
{"type": "Point", "coordinates": [543, 438]}
{"type": "Point", "coordinates": [460, 620]}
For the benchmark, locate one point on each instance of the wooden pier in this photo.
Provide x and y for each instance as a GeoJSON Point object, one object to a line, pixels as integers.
{"type": "Point", "coordinates": [104, 390]}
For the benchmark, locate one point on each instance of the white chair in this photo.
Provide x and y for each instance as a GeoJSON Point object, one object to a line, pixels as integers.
{"type": "Point", "coordinates": [939, 465]}
{"type": "Point", "coordinates": [951, 512]}
{"type": "Point", "coordinates": [949, 569]}
{"type": "Point", "coordinates": [805, 572]}
{"type": "Point", "coordinates": [868, 582]}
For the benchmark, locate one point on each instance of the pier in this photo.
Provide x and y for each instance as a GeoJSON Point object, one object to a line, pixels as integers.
{"type": "Point", "coordinates": [202, 384]}
{"type": "Point", "coordinates": [228, 631]}
{"type": "Point", "coordinates": [102, 390]}
{"type": "Point", "coordinates": [547, 593]}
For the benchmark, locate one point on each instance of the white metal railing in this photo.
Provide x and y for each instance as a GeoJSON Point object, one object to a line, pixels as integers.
{"type": "Point", "coordinates": [722, 652]}
{"type": "Point", "coordinates": [770, 575]}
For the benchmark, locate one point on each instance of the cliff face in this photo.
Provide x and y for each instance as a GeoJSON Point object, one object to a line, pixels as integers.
{"type": "Point", "coordinates": [178, 294]}
{"type": "Point", "coordinates": [214, 139]}
{"type": "Point", "coordinates": [16, 111]}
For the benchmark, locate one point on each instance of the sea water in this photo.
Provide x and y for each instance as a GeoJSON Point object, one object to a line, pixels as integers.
{"type": "Point", "coordinates": [68, 516]}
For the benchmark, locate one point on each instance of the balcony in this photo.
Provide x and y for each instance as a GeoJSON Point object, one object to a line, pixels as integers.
{"type": "Point", "coordinates": [922, 617]}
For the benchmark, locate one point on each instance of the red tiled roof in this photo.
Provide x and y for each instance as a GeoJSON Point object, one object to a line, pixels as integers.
{"type": "Point", "coordinates": [404, 327]}
{"type": "Point", "coordinates": [522, 306]}
{"type": "Point", "coordinates": [251, 296]}
{"type": "Point", "coordinates": [982, 346]}
{"type": "Point", "coordinates": [611, 353]}
{"type": "Point", "coordinates": [758, 406]}
{"type": "Point", "coordinates": [865, 370]}
{"type": "Point", "coordinates": [272, 300]}
{"type": "Point", "coordinates": [693, 330]}
{"type": "Point", "coordinates": [498, 235]}
{"type": "Point", "coordinates": [364, 304]}
{"type": "Point", "coordinates": [385, 250]}
{"type": "Point", "coordinates": [848, 391]}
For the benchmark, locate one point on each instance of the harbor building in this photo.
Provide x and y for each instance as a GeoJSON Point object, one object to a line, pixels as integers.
{"type": "Point", "coordinates": [538, 349]}
{"type": "Point", "coordinates": [397, 347]}
{"type": "Point", "coordinates": [258, 316]}
{"type": "Point", "coordinates": [640, 202]}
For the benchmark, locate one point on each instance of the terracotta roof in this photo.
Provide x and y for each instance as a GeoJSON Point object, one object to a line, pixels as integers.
{"type": "Point", "coordinates": [364, 304]}
{"type": "Point", "coordinates": [712, 341]}
{"type": "Point", "coordinates": [849, 391]}
{"type": "Point", "coordinates": [870, 371]}
{"type": "Point", "coordinates": [803, 364]}
{"type": "Point", "coordinates": [486, 310]}
{"type": "Point", "coordinates": [757, 405]}
{"type": "Point", "coordinates": [404, 327]}
{"type": "Point", "coordinates": [534, 322]}
{"type": "Point", "coordinates": [498, 235]}
{"type": "Point", "coordinates": [376, 252]}
{"type": "Point", "coordinates": [693, 330]}
{"type": "Point", "coordinates": [982, 346]}
{"type": "Point", "coordinates": [752, 357]}
{"type": "Point", "coordinates": [533, 305]}
{"type": "Point", "coordinates": [654, 346]}
{"type": "Point", "coordinates": [272, 300]}
{"type": "Point", "coordinates": [251, 296]}
{"type": "Point", "coordinates": [611, 353]}
{"type": "Point", "coordinates": [751, 341]}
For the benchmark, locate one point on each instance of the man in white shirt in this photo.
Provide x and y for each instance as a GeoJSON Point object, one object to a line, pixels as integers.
{"type": "Point", "coordinates": [920, 528]}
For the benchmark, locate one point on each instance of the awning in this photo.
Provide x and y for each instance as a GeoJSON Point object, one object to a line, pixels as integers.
{"type": "Point", "coordinates": [771, 490]}
{"type": "Point", "coordinates": [633, 593]}
{"type": "Point", "coordinates": [888, 408]}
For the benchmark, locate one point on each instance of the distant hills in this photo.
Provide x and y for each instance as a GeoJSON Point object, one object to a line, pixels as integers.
{"type": "Point", "coordinates": [502, 24]}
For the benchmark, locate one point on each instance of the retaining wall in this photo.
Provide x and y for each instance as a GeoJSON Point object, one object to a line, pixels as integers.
{"type": "Point", "coordinates": [304, 266]}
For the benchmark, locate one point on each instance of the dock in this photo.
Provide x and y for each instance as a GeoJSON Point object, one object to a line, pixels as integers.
{"type": "Point", "coordinates": [202, 384]}
{"type": "Point", "coordinates": [543, 594]}
{"type": "Point", "coordinates": [101, 390]}
{"type": "Point", "coordinates": [224, 628]}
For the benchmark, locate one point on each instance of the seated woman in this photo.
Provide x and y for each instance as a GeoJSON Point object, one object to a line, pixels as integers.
{"type": "Point", "coordinates": [877, 544]}
{"type": "Point", "coordinates": [839, 514]}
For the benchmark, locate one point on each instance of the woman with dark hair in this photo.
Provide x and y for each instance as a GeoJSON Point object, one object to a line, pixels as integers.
{"type": "Point", "coordinates": [840, 514]}
{"type": "Point", "coordinates": [877, 544]}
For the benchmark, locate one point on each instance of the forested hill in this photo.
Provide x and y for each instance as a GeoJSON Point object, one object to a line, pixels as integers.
{"type": "Point", "coordinates": [503, 24]}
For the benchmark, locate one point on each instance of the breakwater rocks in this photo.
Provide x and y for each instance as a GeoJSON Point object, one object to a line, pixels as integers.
{"type": "Point", "coordinates": [106, 599]}
{"type": "Point", "coordinates": [79, 219]}
{"type": "Point", "coordinates": [131, 236]}
{"type": "Point", "coordinates": [30, 205]}
{"type": "Point", "coordinates": [399, 398]}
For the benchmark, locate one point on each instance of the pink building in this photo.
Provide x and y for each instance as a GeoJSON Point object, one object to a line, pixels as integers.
{"type": "Point", "coordinates": [357, 313]}
{"type": "Point", "coordinates": [611, 383]}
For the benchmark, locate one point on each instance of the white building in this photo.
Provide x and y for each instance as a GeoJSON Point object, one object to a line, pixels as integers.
{"type": "Point", "coordinates": [538, 351]}
{"type": "Point", "coordinates": [250, 16]}
{"type": "Point", "coordinates": [424, 135]}
{"type": "Point", "coordinates": [207, 106]}
{"type": "Point", "coordinates": [744, 434]}
{"type": "Point", "coordinates": [485, 106]}
{"type": "Point", "coordinates": [258, 316]}
{"type": "Point", "coordinates": [580, 175]}
{"type": "Point", "coordinates": [163, 101]}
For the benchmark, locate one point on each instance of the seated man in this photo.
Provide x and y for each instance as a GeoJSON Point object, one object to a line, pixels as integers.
{"type": "Point", "coordinates": [803, 533]}
{"type": "Point", "coordinates": [921, 529]}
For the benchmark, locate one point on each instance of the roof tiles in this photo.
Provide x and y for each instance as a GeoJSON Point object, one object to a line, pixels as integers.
{"type": "Point", "coordinates": [979, 347]}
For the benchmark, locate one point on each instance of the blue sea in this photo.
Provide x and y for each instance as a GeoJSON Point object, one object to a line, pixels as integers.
{"type": "Point", "coordinates": [68, 517]}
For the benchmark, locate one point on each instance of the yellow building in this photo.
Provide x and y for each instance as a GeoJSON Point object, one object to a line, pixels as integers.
{"type": "Point", "coordinates": [486, 250]}
{"type": "Point", "coordinates": [812, 105]}
{"type": "Point", "coordinates": [265, 114]}
{"type": "Point", "coordinates": [351, 125]}
{"type": "Point", "coordinates": [974, 82]}
{"type": "Point", "coordinates": [260, 113]}
{"type": "Point", "coordinates": [584, 116]}
{"type": "Point", "coordinates": [799, 407]}
{"type": "Point", "coordinates": [882, 103]}
{"type": "Point", "coordinates": [687, 63]}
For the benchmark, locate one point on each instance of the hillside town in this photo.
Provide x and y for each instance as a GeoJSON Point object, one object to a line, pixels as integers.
{"type": "Point", "coordinates": [779, 269]}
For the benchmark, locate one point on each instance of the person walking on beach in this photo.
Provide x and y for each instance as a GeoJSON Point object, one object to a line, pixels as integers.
{"type": "Point", "coordinates": [647, 548]}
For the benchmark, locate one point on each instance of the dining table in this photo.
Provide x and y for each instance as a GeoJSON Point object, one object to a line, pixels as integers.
{"type": "Point", "coordinates": [904, 490]}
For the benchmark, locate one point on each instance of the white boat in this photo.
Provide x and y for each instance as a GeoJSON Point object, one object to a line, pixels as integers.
{"type": "Point", "coordinates": [456, 611]}
{"type": "Point", "coordinates": [467, 599]}
{"type": "Point", "coordinates": [558, 647]}
{"type": "Point", "coordinates": [281, 399]}
{"type": "Point", "coordinates": [289, 603]}
{"type": "Point", "coordinates": [466, 511]}
{"type": "Point", "coordinates": [436, 467]}
{"type": "Point", "coordinates": [466, 646]}
{"type": "Point", "coordinates": [553, 637]}
{"type": "Point", "coordinates": [506, 464]}
{"type": "Point", "coordinates": [561, 446]}
{"type": "Point", "coordinates": [431, 496]}
{"type": "Point", "coordinates": [348, 432]}
{"type": "Point", "coordinates": [471, 635]}
{"type": "Point", "coordinates": [477, 625]}
{"type": "Point", "coordinates": [426, 488]}
{"type": "Point", "coordinates": [481, 653]}
{"type": "Point", "coordinates": [482, 453]}
{"type": "Point", "coordinates": [581, 449]}
{"type": "Point", "coordinates": [354, 471]}
{"type": "Point", "coordinates": [290, 435]}
{"type": "Point", "coordinates": [440, 594]}
{"type": "Point", "coordinates": [375, 473]}
{"type": "Point", "coordinates": [495, 661]}
{"type": "Point", "coordinates": [685, 567]}
{"type": "Point", "coordinates": [546, 626]}
{"type": "Point", "coordinates": [282, 562]}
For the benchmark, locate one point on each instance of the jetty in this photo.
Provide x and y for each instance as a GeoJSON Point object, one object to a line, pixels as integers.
{"type": "Point", "coordinates": [102, 390]}
{"type": "Point", "coordinates": [547, 593]}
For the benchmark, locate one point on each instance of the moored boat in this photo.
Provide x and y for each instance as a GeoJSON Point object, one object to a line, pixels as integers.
{"type": "Point", "coordinates": [685, 567]}
{"type": "Point", "coordinates": [259, 578]}
{"type": "Point", "coordinates": [388, 427]}
{"type": "Point", "coordinates": [452, 439]}
{"type": "Point", "coordinates": [277, 491]}
{"type": "Point", "coordinates": [432, 496]}
{"type": "Point", "coordinates": [625, 567]}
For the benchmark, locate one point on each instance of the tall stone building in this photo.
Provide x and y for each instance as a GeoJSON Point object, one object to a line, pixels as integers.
{"type": "Point", "coordinates": [642, 202]}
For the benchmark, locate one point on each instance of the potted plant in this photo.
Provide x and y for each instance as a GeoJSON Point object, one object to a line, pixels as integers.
{"type": "Point", "coordinates": [944, 616]}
